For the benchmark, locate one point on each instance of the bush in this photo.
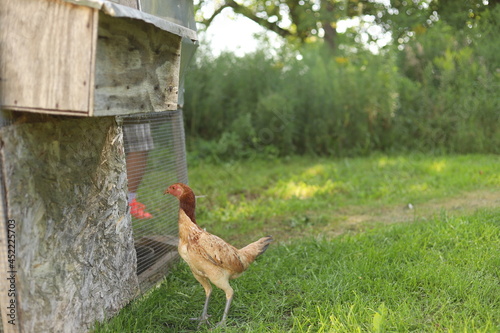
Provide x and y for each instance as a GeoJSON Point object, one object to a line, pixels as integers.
{"type": "Point", "coordinates": [308, 106]}
{"type": "Point", "coordinates": [448, 95]}
{"type": "Point", "coordinates": [438, 94]}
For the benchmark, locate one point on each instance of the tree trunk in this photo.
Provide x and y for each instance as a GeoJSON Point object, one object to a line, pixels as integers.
{"type": "Point", "coordinates": [329, 25]}
{"type": "Point", "coordinates": [330, 36]}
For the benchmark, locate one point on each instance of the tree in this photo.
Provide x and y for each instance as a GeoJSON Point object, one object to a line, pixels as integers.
{"type": "Point", "coordinates": [298, 21]}
{"type": "Point", "coordinates": [303, 21]}
{"type": "Point", "coordinates": [416, 16]}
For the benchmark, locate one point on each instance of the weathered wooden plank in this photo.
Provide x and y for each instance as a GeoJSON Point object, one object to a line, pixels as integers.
{"type": "Point", "coordinates": [46, 56]}
{"type": "Point", "coordinates": [137, 67]}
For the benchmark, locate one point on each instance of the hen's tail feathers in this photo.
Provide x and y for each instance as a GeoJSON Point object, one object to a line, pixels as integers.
{"type": "Point", "coordinates": [255, 249]}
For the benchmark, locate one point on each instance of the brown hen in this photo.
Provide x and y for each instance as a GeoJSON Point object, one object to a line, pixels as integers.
{"type": "Point", "coordinates": [210, 258]}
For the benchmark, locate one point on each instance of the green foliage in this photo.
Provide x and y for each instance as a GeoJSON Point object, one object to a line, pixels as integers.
{"type": "Point", "coordinates": [448, 96]}
{"type": "Point", "coordinates": [286, 106]}
{"type": "Point", "coordinates": [297, 21]}
{"type": "Point", "coordinates": [438, 93]}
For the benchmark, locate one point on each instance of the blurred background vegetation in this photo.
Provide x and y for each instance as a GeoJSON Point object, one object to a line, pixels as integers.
{"type": "Point", "coordinates": [433, 88]}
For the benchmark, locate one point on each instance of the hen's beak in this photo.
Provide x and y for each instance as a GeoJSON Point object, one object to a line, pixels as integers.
{"type": "Point", "coordinates": [166, 191]}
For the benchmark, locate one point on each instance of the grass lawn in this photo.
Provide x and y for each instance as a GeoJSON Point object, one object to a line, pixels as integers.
{"type": "Point", "coordinates": [350, 256]}
{"type": "Point", "coordinates": [304, 196]}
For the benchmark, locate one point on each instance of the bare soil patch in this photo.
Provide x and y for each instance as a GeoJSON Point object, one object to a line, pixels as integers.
{"type": "Point", "coordinates": [466, 203]}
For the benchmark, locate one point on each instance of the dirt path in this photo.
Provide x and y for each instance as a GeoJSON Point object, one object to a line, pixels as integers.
{"type": "Point", "coordinates": [466, 203]}
{"type": "Point", "coordinates": [358, 218]}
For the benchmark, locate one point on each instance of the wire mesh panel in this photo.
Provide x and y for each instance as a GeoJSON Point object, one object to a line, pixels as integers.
{"type": "Point", "coordinates": [156, 158]}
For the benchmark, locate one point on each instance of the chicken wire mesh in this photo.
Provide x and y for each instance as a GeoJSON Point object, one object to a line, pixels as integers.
{"type": "Point", "coordinates": [156, 158]}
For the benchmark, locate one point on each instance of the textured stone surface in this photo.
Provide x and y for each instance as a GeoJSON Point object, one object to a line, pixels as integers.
{"type": "Point", "coordinates": [66, 188]}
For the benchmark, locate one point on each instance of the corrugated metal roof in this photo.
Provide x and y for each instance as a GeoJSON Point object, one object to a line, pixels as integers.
{"type": "Point", "coordinates": [117, 10]}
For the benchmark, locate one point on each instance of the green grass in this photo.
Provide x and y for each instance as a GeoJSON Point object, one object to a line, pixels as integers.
{"type": "Point", "coordinates": [302, 196]}
{"type": "Point", "coordinates": [440, 275]}
{"type": "Point", "coordinates": [437, 273]}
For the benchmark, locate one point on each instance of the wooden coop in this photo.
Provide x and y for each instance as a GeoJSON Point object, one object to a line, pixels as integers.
{"type": "Point", "coordinates": [73, 75]}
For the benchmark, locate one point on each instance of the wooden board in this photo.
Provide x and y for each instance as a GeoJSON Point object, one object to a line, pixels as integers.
{"type": "Point", "coordinates": [137, 67]}
{"type": "Point", "coordinates": [62, 58]}
{"type": "Point", "coordinates": [47, 56]}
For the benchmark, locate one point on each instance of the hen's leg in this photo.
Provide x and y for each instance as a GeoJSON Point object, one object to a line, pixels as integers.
{"type": "Point", "coordinates": [224, 285]}
{"type": "Point", "coordinates": [208, 291]}
{"type": "Point", "coordinates": [226, 311]}
{"type": "Point", "coordinates": [204, 314]}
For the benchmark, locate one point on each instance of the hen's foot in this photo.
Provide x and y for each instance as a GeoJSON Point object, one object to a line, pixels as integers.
{"type": "Point", "coordinates": [203, 320]}
{"type": "Point", "coordinates": [221, 323]}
